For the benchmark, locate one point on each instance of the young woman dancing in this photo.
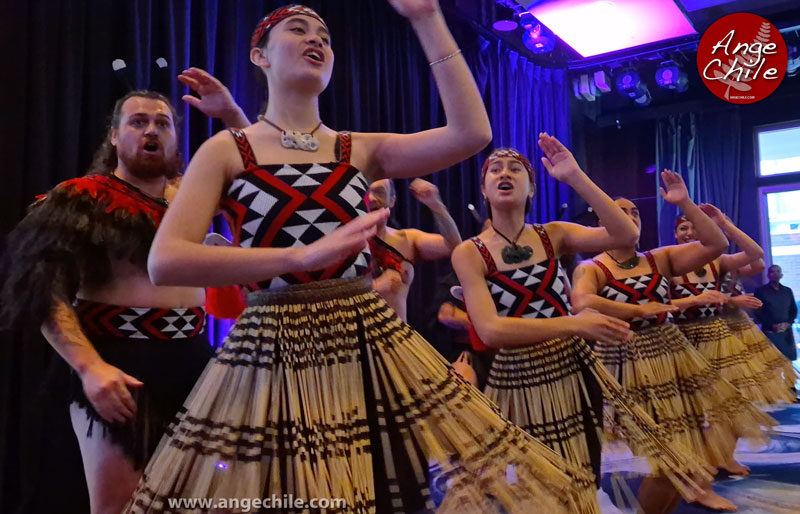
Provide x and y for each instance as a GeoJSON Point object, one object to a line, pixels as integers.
{"type": "Point", "coordinates": [320, 390]}
{"type": "Point", "coordinates": [544, 376]}
{"type": "Point", "coordinates": [659, 368]}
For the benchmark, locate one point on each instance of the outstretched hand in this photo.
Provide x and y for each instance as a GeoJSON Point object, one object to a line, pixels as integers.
{"type": "Point", "coordinates": [412, 9]}
{"type": "Point", "coordinates": [215, 100]}
{"type": "Point", "coordinates": [676, 191]}
{"type": "Point", "coordinates": [559, 162]}
{"type": "Point", "coordinates": [716, 215]}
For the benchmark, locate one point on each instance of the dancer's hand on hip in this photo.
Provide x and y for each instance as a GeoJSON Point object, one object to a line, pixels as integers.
{"type": "Point", "coordinates": [106, 387]}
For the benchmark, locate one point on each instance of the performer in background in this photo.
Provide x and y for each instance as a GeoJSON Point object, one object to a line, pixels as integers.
{"type": "Point", "coordinates": [544, 376]}
{"type": "Point", "coordinates": [700, 299]}
{"type": "Point", "coordinates": [660, 369]}
{"type": "Point", "coordinates": [396, 251]}
{"type": "Point", "coordinates": [76, 267]}
{"type": "Point", "coordinates": [779, 375]}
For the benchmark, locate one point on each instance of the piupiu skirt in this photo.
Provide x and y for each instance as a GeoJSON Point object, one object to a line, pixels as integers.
{"type": "Point", "coordinates": [321, 391]}
{"type": "Point", "coordinates": [555, 390]}
{"type": "Point", "coordinates": [774, 384]}
{"type": "Point", "coordinates": [668, 377]}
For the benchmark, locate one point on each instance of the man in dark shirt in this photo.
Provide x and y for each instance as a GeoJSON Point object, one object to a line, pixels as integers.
{"type": "Point", "coordinates": [778, 312]}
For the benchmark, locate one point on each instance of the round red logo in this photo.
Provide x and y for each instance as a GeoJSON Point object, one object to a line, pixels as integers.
{"type": "Point", "coordinates": [742, 58]}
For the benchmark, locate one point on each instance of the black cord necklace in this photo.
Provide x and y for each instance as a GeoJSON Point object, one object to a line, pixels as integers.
{"type": "Point", "coordinates": [626, 264]}
{"type": "Point", "coordinates": [513, 253]}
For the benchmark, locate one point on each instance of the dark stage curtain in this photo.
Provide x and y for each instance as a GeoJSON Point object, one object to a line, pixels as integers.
{"type": "Point", "coordinates": [704, 148]}
{"type": "Point", "coordinates": [59, 88]}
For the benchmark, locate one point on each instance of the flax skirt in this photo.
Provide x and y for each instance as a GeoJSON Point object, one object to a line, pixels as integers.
{"type": "Point", "coordinates": [778, 376]}
{"type": "Point", "coordinates": [321, 391]}
{"type": "Point", "coordinates": [555, 391]}
{"type": "Point", "coordinates": [664, 373]}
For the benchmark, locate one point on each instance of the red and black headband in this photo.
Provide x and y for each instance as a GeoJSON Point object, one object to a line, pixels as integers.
{"type": "Point", "coordinates": [276, 16]}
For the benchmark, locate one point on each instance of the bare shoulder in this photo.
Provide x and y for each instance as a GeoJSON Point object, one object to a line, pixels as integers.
{"type": "Point", "coordinates": [466, 252]}
{"type": "Point", "coordinates": [221, 152]}
{"type": "Point", "coordinates": [662, 257]}
{"type": "Point", "coordinates": [587, 266]}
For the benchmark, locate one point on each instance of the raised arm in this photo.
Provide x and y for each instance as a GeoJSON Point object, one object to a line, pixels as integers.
{"type": "Point", "coordinates": [711, 242]}
{"type": "Point", "coordinates": [754, 268]}
{"type": "Point", "coordinates": [467, 129]}
{"type": "Point", "coordinates": [750, 251]}
{"type": "Point", "coordinates": [215, 100]}
{"type": "Point", "coordinates": [433, 246]}
{"type": "Point", "coordinates": [587, 280]}
{"type": "Point", "coordinates": [618, 229]}
{"type": "Point", "coordinates": [178, 257]}
{"type": "Point", "coordinates": [505, 332]}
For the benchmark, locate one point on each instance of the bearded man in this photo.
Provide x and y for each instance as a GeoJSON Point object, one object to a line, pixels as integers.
{"type": "Point", "coordinates": [76, 268]}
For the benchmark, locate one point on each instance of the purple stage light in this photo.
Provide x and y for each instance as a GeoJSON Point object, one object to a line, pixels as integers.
{"type": "Point", "coordinates": [670, 76]}
{"type": "Point", "coordinates": [595, 27]}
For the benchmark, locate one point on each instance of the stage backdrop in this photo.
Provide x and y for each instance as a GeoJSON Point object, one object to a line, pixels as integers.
{"type": "Point", "coordinates": [59, 89]}
{"type": "Point", "coordinates": [705, 149]}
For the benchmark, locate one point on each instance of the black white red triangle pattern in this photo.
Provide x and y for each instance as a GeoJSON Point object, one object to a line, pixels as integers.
{"type": "Point", "coordinates": [536, 291]}
{"type": "Point", "coordinates": [640, 290]}
{"type": "Point", "coordinates": [687, 290]}
{"type": "Point", "coordinates": [106, 320]}
{"type": "Point", "coordinates": [294, 205]}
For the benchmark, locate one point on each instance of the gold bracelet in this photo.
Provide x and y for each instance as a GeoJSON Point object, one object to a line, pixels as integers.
{"type": "Point", "coordinates": [446, 58]}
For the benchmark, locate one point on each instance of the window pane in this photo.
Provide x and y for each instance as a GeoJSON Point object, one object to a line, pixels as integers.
{"type": "Point", "coordinates": [779, 150]}
{"type": "Point", "coordinates": [783, 217]}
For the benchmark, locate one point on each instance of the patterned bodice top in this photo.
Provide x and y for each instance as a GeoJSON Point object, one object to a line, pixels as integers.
{"type": "Point", "coordinates": [732, 285]}
{"type": "Point", "coordinates": [386, 256]}
{"type": "Point", "coordinates": [538, 290]}
{"type": "Point", "coordinates": [638, 290]}
{"type": "Point", "coordinates": [687, 289]}
{"type": "Point", "coordinates": [293, 205]}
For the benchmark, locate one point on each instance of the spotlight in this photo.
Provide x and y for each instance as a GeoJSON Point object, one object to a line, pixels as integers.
{"type": "Point", "coordinates": [670, 76]}
{"type": "Point", "coordinates": [537, 42]}
{"type": "Point", "coordinates": [628, 83]}
{"type": "Point", "coordinates": [535, 38]}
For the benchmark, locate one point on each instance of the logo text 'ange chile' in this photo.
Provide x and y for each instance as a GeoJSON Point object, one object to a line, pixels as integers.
{"type": "Point", "coordinates": [742, 58]}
